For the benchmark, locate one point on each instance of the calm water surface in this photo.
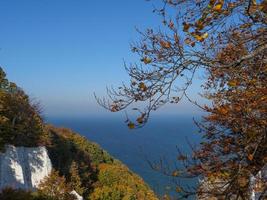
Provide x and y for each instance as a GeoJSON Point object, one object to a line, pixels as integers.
{"type": "Point", "coordinates": [159, 138]}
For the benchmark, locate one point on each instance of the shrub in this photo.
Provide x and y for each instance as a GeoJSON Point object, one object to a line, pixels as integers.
{"type": "Point", "coordinates": [55, 187]}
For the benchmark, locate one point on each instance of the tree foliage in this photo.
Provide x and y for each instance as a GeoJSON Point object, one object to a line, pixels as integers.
{"type": "Point", "coordinates": [55, 187]}
{"type": "Point", "coordinates": [75, 179]}
{"type": "Point", "coordinates": [227, 40]}
{"type": "Point", "coordinates": [116, 182]}
{"type": "Point", "coordinates": [20, 120]}
{"type": "Point", "coordinates": [91, 171]}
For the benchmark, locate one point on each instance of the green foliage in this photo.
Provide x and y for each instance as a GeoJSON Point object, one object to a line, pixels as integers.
{"type": "Point", "coordinates": [116, 182]}
{"type": "Point", "coordinates": [91, 171]}
{"type": "Point", "coordinates": [20, 121]}
{"type": "Point", "coordinates": [18, 194]}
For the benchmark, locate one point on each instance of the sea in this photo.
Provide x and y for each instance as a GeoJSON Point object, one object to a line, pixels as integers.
{"type": "Point", "coordinates": [157, 140]}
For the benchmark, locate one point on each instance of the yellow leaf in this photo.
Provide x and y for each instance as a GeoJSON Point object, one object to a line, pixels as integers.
{"type": "Point", "coordinates": [218, 7]}
{"type": "Point", "coordinates": [131, 125]}
{"type": "Point", "coordinates": [205, 35]}
{"type": "Point", "coordinates": [198, 38]}
{"type": "Point", "coordinates": [142, 86]}
{"type": "Point", "coordinates": [146, 60]}
{"type": "Point", "coordinates": [187, 41]}
{"type": "Point", "coordinates": [232, 83]}
{"type": "Point", "coordinates": [254, 2]}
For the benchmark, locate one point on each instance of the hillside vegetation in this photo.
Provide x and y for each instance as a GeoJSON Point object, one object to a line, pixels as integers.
{"type": "Point", "coordinates": [78, 164]}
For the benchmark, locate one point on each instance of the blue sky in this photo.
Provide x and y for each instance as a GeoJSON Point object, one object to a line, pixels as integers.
{"type": "Point", "coordinates": [61, 51]}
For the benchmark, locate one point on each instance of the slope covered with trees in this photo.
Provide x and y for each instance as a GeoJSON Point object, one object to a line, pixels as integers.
{"type": "Point", "coordinates": [78, 164]}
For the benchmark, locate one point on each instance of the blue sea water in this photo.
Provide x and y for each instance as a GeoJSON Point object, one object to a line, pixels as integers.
{"type": "Point", "coordinates": [158, 139]}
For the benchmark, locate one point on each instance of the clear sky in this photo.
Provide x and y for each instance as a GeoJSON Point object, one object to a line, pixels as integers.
{"type": "Point", "coordinates": [61, 51]}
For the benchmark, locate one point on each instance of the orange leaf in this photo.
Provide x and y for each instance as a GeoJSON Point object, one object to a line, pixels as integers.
{"type": "Point", "coordinates": [165, 45]}
{"type": "Point", "coordinates": [250, 157]}
{"type": "Point", "coordinates": [218, 7]}
{"type": "Point", "coordinates": [175, 173]}
{"type": "Point", "coordinates": [232, 83]}
{"type": "Point", "coordinates": [186, 27]}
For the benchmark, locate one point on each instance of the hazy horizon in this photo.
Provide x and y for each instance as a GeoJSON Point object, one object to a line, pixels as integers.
{"type": "Point", "coordinates": [61, 52]}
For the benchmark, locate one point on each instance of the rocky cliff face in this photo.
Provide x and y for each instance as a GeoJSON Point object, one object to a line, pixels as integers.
{"type": "Point", "coordinates": [24, 168]}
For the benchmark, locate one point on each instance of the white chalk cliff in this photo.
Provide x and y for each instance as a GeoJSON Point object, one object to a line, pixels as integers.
{"type": "Point", "coordinates": [24, 168]}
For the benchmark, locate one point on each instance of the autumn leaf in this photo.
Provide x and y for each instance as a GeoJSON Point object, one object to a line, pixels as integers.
{"type": "Point", "coordinates": [242, 181]}
{"type": "Point", "coordinates": [199, 24]}
{"type": "Point", "coordinates": [146, 60]}
{"type": "Point", "coordinates": [178, 189]}
{"type": "Point", "coordinates": [250, 157]}
{"type": "Point", "coordinates": [131, 125]}
{"type": "Point", "coordinates": [232, 83]}
{"type": "Point", "coordinates": [205, 35]}
{"type": "Point", "coordinates": [142, 86]}
{"type": "Point", "coordinates": [218, 7]}
{"type": "Point", "coordinates": [223, 110]}
{"type": "Point", "coordinates": [186, 27]}
{"type": "Point", "coordinates": [198, 37]}
{"type": "Point", "coordinates": [140, 120]}
{"type": "Point", "coordinates": [187, 41]}
{"type": "Point", "coordinates": [212, 2]}
{"type": "Point", "coordinates": [165, 45]}
{"type": "Point", "coordinates": [175, 173]}
{"type": "Point", "coordinates": [254, 2]}
{"type": "Point", "coordinates": [114, 108]}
